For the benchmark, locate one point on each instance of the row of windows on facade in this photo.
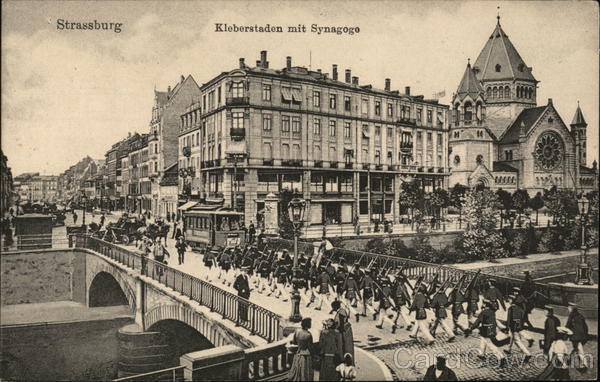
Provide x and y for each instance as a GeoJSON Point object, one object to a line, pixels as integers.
{"type": "Point", "coordinates": [293, 95]}
{"type": "Point", "coordinates": [504, 92]}
{"type": "Point", "coordinates": [479, 133]}
{"type": "Point", "coordinates": [504, 179]}
{"type": "Point", "coordinates": [467, 111]}
{"type": "Point", "coordinates": [544, 180]}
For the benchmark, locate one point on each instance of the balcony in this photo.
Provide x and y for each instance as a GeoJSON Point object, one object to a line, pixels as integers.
{"type": "Point", "coordinates": [407, 121]}
{"type": "Point", "coordinates": [348, 165]}
{"type": "Point", "coordinates": [291, 162]}
{"type": "Point", "coordinates": [237, 134]}
{"type": "Point", "coordinates": [237, 101]}
{"type": "Point", "coordinates": [333, 164]}
{"type": "Point", "coordinates": [378, 167]}
{"type": "Point", "coordinates": [366, 166]}
{"type": "Point", "coordinates": [406, 146]}
{"type": "Point", "coordinates": [319, 163]}
{"type": "Point", "coordinates": [392, 167]}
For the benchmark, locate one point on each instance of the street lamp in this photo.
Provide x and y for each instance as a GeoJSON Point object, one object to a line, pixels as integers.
{"type": "Point", "coordinates": [296, 209]}
{"type": "Point", "coordinates": [84, 199]}
{"type": "Point", "coordinates": [583, 268]}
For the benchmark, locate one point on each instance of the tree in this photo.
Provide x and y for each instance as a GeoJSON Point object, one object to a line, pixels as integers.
{"type": "Point", "coordinates": [520, 201]}
{"type": "Point", "coordinates": [456, 196]}
{"type": "Point", "coordinates": [286, 228]}
{"type": "Point", "coordinates": [505, 202]}
{"type": "Point", "coordinates": [411, 196]}
{"type": "Point", "coordinates": [535, 204]}
{"type": "Point", "coordinates": [439, 200]}
{"type": "Point", "coordinates": [481, 239]}
{"type": "Point", "coordinates": [552, 203]}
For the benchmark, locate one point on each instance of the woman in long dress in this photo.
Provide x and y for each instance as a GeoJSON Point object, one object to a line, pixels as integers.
{"type": "Point", "coordinates": [302, 368]}
{"type": "Point", "coordinates": [344, 328]}
{"type": "Point", "coordinates": [330, 348]}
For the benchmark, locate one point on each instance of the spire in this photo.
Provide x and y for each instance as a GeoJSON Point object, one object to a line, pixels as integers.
{"type": "Point", "coordinates": [469, 85]}
{"type": "Point", "coordinates": [578, 119]}
{"type": "Point", "coordinates": [499, 59]}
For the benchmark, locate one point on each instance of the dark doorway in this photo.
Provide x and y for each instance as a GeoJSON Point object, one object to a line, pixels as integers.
{"type": "Point", "coordinates": [106, 291]}
{"type": "Point", "coordinates": [181, 338]}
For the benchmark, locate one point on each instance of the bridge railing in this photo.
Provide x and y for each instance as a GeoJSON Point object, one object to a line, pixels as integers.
{"type": "Point", "coordinates": [256, 319]}
{"type": "Point", "coordinates": [547, 293]}
{"type": "Point", "coordinates": [172, 374]}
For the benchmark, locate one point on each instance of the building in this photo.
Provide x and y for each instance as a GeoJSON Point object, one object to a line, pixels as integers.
{"type": "Point", "coordinates": [168, 191]}
{"type": "Point", "coordinates": [7, 194]}
{"type": "Point", "coordinates": [139, 189]}
{"type": "Point", "coordinates": [499, 135]}
{"type": "Point", "coordinates": [164, 129]}
{"type": "Point", "coordinates": [344, 147]}
{"type": "Point", "coordinates": [69, 182]}
{"type": "Point", "coordinates": [33, 187]}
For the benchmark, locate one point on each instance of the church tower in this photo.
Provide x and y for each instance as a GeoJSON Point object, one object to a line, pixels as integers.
{"type": "Point", "coordinates": [507, 81]}
{"type": "Point", "coordinates": [578, 131]}
{"type": "Point", "coordinates": [470, 143]}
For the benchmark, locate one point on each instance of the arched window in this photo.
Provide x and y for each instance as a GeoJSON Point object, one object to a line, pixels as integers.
{"type": "Point", "coordinates": [267, 151]}
{"type": "Point", "coordinates": [317, 153]}
{"type": "Point", "coordinates": [498, 68]}
{"type": "Point", "coordinates": [506, 92]}
{"type": "Point", "coordinates": [489, 92]}
{"type": "Point", "coordinates": [285, 151]}
{"type": "Point", "coordinates": [468, 111]}
{"type": "Point", "coordinates": [519, 93]}
{"type": "Point", "coordinates": [501, 92]}
{"type": "Point", "coordinates": [478, 111]}
{"type": "Point", "coordinates": [296, 152]}
{"type": "Point", "coordinates": [495, 92]}
{"type": "Point", "coordinates": [332, 154]}
{"type": "Point", "coordinates": [456, 113]}
{"type": "Point", "coordinates": [479, 159]}
{"type": "Point", "coordinates": [530, 93]}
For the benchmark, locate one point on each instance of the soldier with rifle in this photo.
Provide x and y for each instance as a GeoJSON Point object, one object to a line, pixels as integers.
{"type": "Point", "coordinates": [514, 324]}
{"type": "Point", "coordinates": [486, 322]}
{"type": "Point", "coordinates": [313, 275]}
{"type": "Point", "coordinates": [419, 304]}
{"type": "Point", "coordinates": [494, 295]}
{"type": "Point", "coordinates": [522, 302]}
{"type": "Point", "coordinates": [323, 282]}
{"type": "Point", "coordinates": [439, 302]}
{"type": "Point", "coordinates": [456, 298]}
{"type": "Point", "coordinates": [383, 294]}
{"type": "Point", "coordinates": [401, 300]}
{"type": "Point", "coordinates": [367, 290]}
{"type": "Point", "coordinates": [472, 296]}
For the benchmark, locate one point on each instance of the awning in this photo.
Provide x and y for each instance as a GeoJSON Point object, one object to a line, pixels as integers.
{"type": "Point", "coordinates": [187, 206]}
{"type": "Point", "coordinates": [296, 95]}
{"type": "Point", "coordinates": [286, 94]}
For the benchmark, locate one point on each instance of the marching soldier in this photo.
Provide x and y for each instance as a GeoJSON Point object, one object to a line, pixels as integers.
{"type": "Point", "coordinates": [401, 301]}
{"type": "Point", "coordinates": [350, 293]}
{"type": "Point", "coordinates": [457, 298]}
{"type": "Point", "coordinates": [419, 305]}
{"type": "Point", "coordinates": [486, 322]}
{"type": "Point", "coordinates": [439, 302]}
{"type": "Point", "coordinates": [384, 296]}
{"type": "Point", "coordinates": [528, 293]}
{"type": "Point", "coordinates": [313, 275]}
{"type": "Point", "coordinates": [494, 295]}
{"type": "Point", "coordinates": [522, 302]}
{"type": "Point", "coordinates": [209, 261]}
{"type": "Point", "coordinates": [323, 282]}
{"type": "Point", "coordinates": [281, 274]}
{"type": "Point", "coordinates": [366, 290]}
{"type": "Point", "coordinates": [515, 319]}
{"type": "Point", "coordinates": [340, 280]}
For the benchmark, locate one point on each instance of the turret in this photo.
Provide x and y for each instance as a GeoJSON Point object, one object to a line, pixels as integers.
{"type": "Point", "coordinates": [578, 131]}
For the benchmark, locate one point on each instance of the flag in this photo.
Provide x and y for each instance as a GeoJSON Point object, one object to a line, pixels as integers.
{"type": "Point", "coordinates": [439, 95]}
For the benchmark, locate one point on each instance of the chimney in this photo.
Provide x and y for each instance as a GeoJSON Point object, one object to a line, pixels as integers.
{"type": "Point", "coordinates": [182, 78]}
{"type": "Point", "coordinates": [407, 90]}
{"type": "Point", "coordinates": [242, 65]}
{"type": "Point", "coordinates": [549, 101]}
{"type": "Point", "coordinates": [355, 80]}
{"type": "Point", "coordinates": [288, 62]}
{"type": "Point", "coordinates": [263, 59]}
{"type": "Point", "coordinates": [388, 84]}
{"type": "Point", "coordinates": [348, 76]}
{"type": "Point", "coordinates": [169, 89]}
{"type": "Point", "coordinates": [334, 75]}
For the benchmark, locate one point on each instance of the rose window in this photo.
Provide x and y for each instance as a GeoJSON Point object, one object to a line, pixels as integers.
{"type": "Point", "coordinates": [548, 151]}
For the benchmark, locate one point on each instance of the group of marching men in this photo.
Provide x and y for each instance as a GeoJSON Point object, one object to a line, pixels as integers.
{"type": "Point", "coordinates": [388, 295]}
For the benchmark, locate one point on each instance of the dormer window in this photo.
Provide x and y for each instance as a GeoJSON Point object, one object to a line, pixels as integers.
{"type": "Point", "coordinates": [498, 68]}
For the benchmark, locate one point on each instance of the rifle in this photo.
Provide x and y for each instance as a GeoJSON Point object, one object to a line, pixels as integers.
{"type": "Point", "coordinates": [472, 282]}
{"type": "Point", "coordinates": [458, 284]}
{"type": "Point", "coordinates": [433, 282]}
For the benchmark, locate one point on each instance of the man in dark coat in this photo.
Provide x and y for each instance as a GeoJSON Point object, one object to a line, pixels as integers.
{"type": "Point", "coordinates": [457, 299]}
{"type": "Point", "coordinates": [576, 323]}
{"type": "Point", "coordinates": [550, 328]}
{"type": "Point", "coordinates": [439, 302]}
{"type": "Point", "coordinates": [419, 304]}
{"type": "Point", "coordinates": [494, 295]}
{"type": "Point", "coordinates": [515, 319]}
{"type": "Point", "coordinates": [439, 371]}
{"type": "Point", "coordinates": [486, 322]}
{"type": "Point", "coordinates": [251, 233]}
{"type": "Point", "coordinates": [242, 286]}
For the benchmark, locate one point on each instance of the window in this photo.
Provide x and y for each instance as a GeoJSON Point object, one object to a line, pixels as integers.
{"type": "Point", "coordinates": [296, 125]}
{"type": "Point", "coordinates": [238, 120]}
{"type": "Point", "coordinates": [285, 123]}
{"type": "Point", "coordinates": [501, 92]}
{"type": "Point", "coordinates": [317, 153]}
{"type": "Point", "coordinates": [498, 68]}
{"type": "Point", "coordinates": [155, 166]}
{"type": "Point", "coordinates": [364, 106]}
{"type": "Point", "coordinates": [479, 159]}
{"type": "Point", "coordinates": [377, 157]}
{"type": "Point", "coordinates": [377, 107]}
{"type": "Point", "coordinates": [296, 152]}
{"type": "Point", "coordinates": [267, 122]}
{"type": "Point", "coordinates": [390, 110]}
{"type": "Point", "coordinates": [218, 99]}
{"type": "Point", "coordinates": [456, 160]}
{"type": "Point", "coordinates": [347, 103]}
{"type": "Point", "coordinates": [347, 129]}
{"type": "Point", "coordinates": [286, 94]}
{"type": "Point", "coordinates": [267, 150]}
{"type": "Point", "coordinates": [317, 126]}
{"type": "Point", "coordinates": [345, 183]}
{"type": "Point", "coordinates": [419, 115]}
{"type": "Point", "coordinates": [390, 134]}
{"type": "Point", "coordinates": [405, 112]}
{"type": "Point", "coordinates": [285, 151]}
{"type": "Point", "coordinates": [468, 111]}
{"type": "Point", "coordinates": [266, 93]}
{"type": "Point", "coordinates": [316, 183]}
{"type": "Point", "coordinates": [332, 101]}
{"type": "Point", "coordinates": [237, 90]}
{"type": "Point", "coordinates": [296, 95]}
{"type": "Point", "coordinates": [377, 131]}
{"type": "Point", "coordinates": [332, 154]}
{"type": "Point", "coordinates": [429, 116]}
{"type": "Point", "coordinates": [316, 99]}
{"type": "Point", "coordinates": [332, 127]}
{"type": "Point", "coordinates": [365, 131]}
{"type": "Point", "coordinates": [489, 92]}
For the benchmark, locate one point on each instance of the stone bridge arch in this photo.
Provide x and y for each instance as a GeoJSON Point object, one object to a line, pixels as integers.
{"type": "Point", "coordinates": [179, 312]}
{"type": "Point", "coordinates": [96, 265]}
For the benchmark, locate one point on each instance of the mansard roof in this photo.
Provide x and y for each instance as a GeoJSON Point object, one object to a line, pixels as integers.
{"type": "Point", "coordinates": [498, 50]}
{"type": "Point", "coordinates": [578, 117]}
{"type": "Point", "coordinates": [469, 85]}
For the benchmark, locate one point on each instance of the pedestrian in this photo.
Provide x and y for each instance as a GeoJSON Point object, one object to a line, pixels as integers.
{"type": "Point", "coordinates": [343, 327]}
{"type": "Point", "coordinates": [302, 368]}
{"type": "Point", "coordinates": [242, 286]}
{"type": "Point", "coordinates": [346, 369]}
{"type": "Point", "coordinates": [102, 218]}
{"type": "Point", "coordinates": [260, 238]}
{"type": "Point", "coordinates": [251, 233]}
{"type": "Point", "coordinates": [576, 323]}
{"type": "Point", "coordinates": [558, 357]}
{"type": "Point", "coordinates": [550, 328]}
{"type": "Point", "coordinates": [330, 351]}
{"type": "Point", "coordinates": [74, 217]}
{"type": "Point", "coordinates": [439, 371]}
{"type": "Point", "coordinates": [174, 229]}
{"type": "Point", "coordinates": [181, 248]}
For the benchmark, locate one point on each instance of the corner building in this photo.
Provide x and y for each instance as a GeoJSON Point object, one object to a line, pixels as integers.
{"type": "Point", "coordinates": [344, 147]}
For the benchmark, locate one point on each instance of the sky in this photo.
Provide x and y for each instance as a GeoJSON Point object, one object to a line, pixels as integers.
{"type": "Point", "coordinates": [67, 93]}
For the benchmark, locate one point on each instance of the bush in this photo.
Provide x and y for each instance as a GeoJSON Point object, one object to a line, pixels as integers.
{"type": "Point", "coordinates": [549, 241]}
{"type": "Point", "coordinates": [516, 242]}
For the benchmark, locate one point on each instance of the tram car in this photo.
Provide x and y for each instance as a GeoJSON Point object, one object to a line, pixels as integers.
{"type": "Point", "coordinates": [217, 228]}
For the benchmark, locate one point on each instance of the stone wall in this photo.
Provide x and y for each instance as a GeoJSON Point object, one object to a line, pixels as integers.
{"type": "Point", "coordinates": [38, 276]}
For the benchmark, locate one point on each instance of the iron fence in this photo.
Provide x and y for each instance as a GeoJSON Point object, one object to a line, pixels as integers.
{"type": "Point", "coordinates": [172, 374]}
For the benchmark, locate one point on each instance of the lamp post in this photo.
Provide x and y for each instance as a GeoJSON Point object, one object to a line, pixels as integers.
{"type": "Point", "coordinates": [296, 212]}
{"type": "Point", "coordinates": [583, 268]}
{"type": "Point", "coordinates": [84, 199]}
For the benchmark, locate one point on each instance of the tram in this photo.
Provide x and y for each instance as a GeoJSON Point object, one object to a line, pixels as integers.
{"type": "Point", "coordinates": [216, 228]}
